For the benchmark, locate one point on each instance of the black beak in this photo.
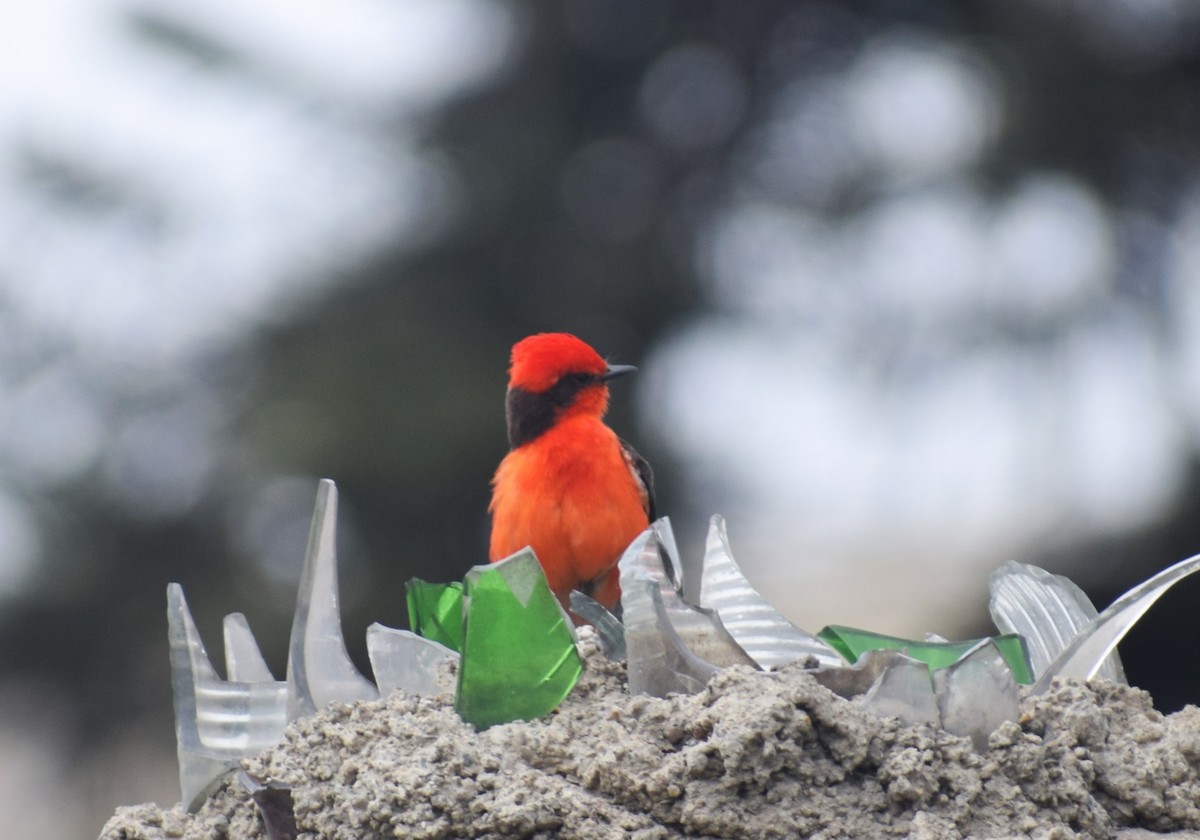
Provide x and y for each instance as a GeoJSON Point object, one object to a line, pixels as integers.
{"type": "Point", "coordinates": [616, 370]}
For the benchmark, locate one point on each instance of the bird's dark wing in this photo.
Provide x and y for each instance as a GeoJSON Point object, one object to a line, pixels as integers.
{"type": "Point", "coordinates": [640, 468]}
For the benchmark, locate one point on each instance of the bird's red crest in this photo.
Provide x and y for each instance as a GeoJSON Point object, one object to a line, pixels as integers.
{"type": "Point", "coordinates": [540, 360]}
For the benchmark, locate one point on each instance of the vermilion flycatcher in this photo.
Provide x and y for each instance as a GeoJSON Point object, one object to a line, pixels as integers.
{"type": "Point", "coordinates": [569, 487]}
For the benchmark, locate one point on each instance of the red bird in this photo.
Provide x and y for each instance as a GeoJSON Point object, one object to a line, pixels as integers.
{"type": "Point", "coordinates": [569, 487]}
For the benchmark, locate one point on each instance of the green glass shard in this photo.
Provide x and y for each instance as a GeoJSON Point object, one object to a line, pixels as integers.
{"type": "Point", "coordinates": [435, 611]}
{"type": "Point", "coordinates": [853, 643]}
{"type": "Point", "coordinates": [518, 657]}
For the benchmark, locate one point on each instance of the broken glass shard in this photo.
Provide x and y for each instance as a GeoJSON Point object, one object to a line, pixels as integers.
{"type": "Point", "coordinates": [699, 629]}
{"type": "Point", "coordinates": [977, 693]}
{"type": "Point", "coordinates": [669, 558]}
{"type": "Point", "coordinates": [852, 643]}
{"type": "Point", "coordinates": [1047, 610]}
{"type": "Point", "coordinates": [435, 611]}
{"type": "Point", "coordinates": [400, 659]}
{"type": "Point", "coordinates": [217, 721]}
{"type": "Point", "coordinates": [769, 638]}
{"type": "Point", "coordinates": [243, 660]}
{"type": "Point", "coordinates": [1085, 655]}
{"type": "Point", "coordinates": [658, 662]}
{"type": "Point", "coordinates": [670, 645]}
{"type": "Point", "coordinates": [904, 690]}
{"type": "Point", "coordinates": [519, 659]}
{"type": "Point", "coordinates": [608, 626]}
{"type": "Point", "coordinates": [319, 669]}
{"type": "Point", "coordinates": [850, 681]}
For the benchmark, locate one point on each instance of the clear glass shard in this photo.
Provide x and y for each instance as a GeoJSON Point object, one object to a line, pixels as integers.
{"type": "Point", "coordinates": [851, 643]}
{"type": "Point", "coordinates": [608, 626]}
{"type": "Point", "coordinates": [904, 690]}
{"type": "Point", "coordinates": [403, 660]}
{"type": "Point", "coordinates": [658, 662]}
{"type": "Point", "coordinates": [243, 660]}
{"type": "Point", "coordinates": [769, 638]}
{"type": "Point", "coordinates": [671, 562]}
{"type": "Point", "coordinates": [677, 646]}
{"type": "Point", "coordinates": [519, 658]}
{"type": "Point", "coordinates": [643, 558]}
{"type": "Point", "coordinates": [217, 722]}
{"type": "Point", "coordinates": [851, 681]}
{"type": "Point", "coordinates": [976, 694]}
{"type": "Point", "coordinates": [699, 629]}
{"type": "Point", "coordinates": [1047, 610]}
{"type": "Point", "coordinates": [319, 669]}
{"type": "Point", "coordinates": [1086, 653]}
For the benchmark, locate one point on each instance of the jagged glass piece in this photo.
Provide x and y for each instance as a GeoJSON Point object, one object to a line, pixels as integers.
{"type": "Point", "coordinates": [850, 681]}
{"type": "Point", "coordinates": [319, 670]}
{"type": "Point", "coordinates": [403, 660]}
{"type": "Point", "coordinates": [243, 660]}
{"type": "Point", "coordinates": [852, 643]}
{"type": "Point", "coordinates": [671, 646]}
{"type": "Point", "coordinates": [659, 663]}
{"type": "Point", "coordinates": [519, 658]}
{"type": "Point", "coordinates": [1086, 654]}
{"type": "Point", "coordinates": [217, 722]}
{"type": "Point", "coordinates": [904, 690]}
{"type": "Point", "coordinates": [977, 693]}
{"type": "Point", "coordinates": [669, 557]}
{"type": "Point", "coordinates": [1047, 610]}
{"type": "Point", "coordinates": [435, 611]}
{"type": "Point", "coordinates": [699, 629]}
{"type": "Point", "coordinates": [769, 638]}
{"type": "Point", "coordinates": [608, 626]}
{"type": "Point", "coordinates": [274, 801]}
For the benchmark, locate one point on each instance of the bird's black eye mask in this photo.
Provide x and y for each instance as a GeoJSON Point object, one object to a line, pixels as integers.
{"type": "Point", "coordinates": [530, 413]}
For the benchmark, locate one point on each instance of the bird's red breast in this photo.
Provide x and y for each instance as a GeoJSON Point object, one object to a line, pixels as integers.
{"type": "Point", "coordinates": [569, 487]}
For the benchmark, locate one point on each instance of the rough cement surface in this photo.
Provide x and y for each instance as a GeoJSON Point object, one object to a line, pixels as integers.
{"type": "Point", "coordinates": [752, 755]}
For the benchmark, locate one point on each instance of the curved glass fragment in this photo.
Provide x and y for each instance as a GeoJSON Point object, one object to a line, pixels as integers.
{"type": "Point", "coordinates": [977, 693]}
{"type": "Point", "coordinates": [658, 662]}
{"type": "Point", "coordinates": [217, 721]}
{"type": "Point", "coordinates": [904, 690]}
{"type": "Point", "coordinates": [1047, 610]}
{"type": "Point", "coordinates": [608, 626]}
{"type": "Point", "coordinates": [852, 643]}
{"type": "Point", "coordinates": [769, 638]}
{"type": "Point", "coordinates": [435, 611]}
{"type": "Point", "coordinates": [243, 660]}
{"type": "Point", "coordinates": [970, 697]}
{"type": "Point", "coordinates": [670, 645]}
{"type": "Point", "coordinates": [1086, 653]}
{"type": "Point", "coordinates": [400, 659]}
{"type": "Point", "coordinates": [319, 670]}
{"type": "Point", "coordinates": [519, 659]}
{"type": "Point", "coordinates": [698, 628]}
{"type": "Point", "coordinates": [851, 681]}
{"type": "Point", "coordinates": [669, 556]}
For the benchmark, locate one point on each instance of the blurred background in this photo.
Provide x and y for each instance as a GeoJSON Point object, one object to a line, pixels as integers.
{"type": "Point", "coordinates": [914, 288]}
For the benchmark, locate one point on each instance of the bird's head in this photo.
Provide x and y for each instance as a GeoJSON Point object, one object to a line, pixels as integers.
{"type": "Point", "coordinates": [554, 374]}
